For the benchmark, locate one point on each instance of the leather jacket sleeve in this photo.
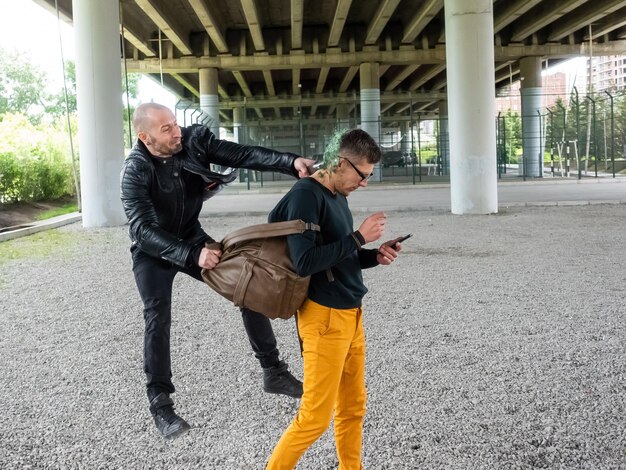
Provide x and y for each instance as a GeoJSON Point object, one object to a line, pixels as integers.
{"type": "Point", "coordinates": [144, 228]}
{"type": "Point", "coordinates": [207, 148]}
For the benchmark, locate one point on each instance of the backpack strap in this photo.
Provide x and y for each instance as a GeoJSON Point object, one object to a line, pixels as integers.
{"type": "Point", "coordinates": [274, 229]}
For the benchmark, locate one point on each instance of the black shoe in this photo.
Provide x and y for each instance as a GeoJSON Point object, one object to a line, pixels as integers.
{"type": "Point", "coordinates": [169, 424]}
{"type": "Point", "coordinates": [279, 380]}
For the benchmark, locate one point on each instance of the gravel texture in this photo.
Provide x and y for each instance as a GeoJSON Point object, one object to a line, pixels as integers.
{"type": "Point", "coordinates": [493, 342]}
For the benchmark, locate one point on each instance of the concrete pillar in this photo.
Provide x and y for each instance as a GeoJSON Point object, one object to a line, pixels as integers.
{"type": "Point", "coordinates": [405, 135]}
{"type": "Point", "coordinates": [370, 105]}
{"type": "Point", "coordinates": [471, 103]}
{"type": "Point", "coordinates": [343, 116]}
{"type": "Point", "coordinates": [530, 76]}
{"type": "Point", "coordinates": [238, 130]}
{"type": "Point", "coordinates": [443, 159]}
{"type": "Point", "coordinates": [209, 99]}
{"type": "Point", "coordinates": [99, 98]}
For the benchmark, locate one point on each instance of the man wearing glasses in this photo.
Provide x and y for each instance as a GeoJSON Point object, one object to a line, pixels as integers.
{"type": "Point", "coordinates": [330, 320]}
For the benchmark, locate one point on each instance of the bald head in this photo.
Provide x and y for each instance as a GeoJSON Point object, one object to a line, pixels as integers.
{"type": "Point", "coordinates": [155, 125]}
{"type": "Point", "coordinates": [144, 115]}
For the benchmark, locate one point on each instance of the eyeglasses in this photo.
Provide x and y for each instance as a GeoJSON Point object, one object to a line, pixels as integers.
{"type": "Point", "coordinates": [361, 175]}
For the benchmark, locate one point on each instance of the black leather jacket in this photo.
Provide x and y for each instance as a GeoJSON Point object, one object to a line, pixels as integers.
{"type": "Point", "coordinates": [162, 197]}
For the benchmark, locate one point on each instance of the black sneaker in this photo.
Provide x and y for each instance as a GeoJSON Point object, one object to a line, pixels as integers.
{"type": "Point", "coordinates": [169, 424]}
{"type": "Point", "coordinates": [279, 380]}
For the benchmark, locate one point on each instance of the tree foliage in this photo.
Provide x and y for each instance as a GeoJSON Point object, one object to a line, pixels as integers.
{"type": "Point", "coordinates": [595, 122]}
{"type": "Point", "coordinates": [22, 86]}
{"type": "Point", "coordinates": [33, 161]}
{"type": "Point", "coordinates": [56, 105]}
{"type": "Point", "coordinates": [35, 154]}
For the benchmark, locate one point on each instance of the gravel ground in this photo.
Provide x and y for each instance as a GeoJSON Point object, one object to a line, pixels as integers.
{"type": "Point", "coordinates": [493, 342]}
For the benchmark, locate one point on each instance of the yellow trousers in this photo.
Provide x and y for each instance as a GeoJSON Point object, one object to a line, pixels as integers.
{"type": "Point", "coordinates": [333, 348]}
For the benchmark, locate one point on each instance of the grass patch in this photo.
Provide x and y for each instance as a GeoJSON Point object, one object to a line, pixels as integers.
{"type": "Point", "coordinates": [65, 209]}
{"type": "Point", "coordinates": [38, 245]}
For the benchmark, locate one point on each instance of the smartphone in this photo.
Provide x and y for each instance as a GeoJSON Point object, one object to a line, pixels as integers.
{"type": "Point", "coordinates": [400, 239]}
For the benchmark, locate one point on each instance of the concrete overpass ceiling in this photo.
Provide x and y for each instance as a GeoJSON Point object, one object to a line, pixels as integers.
{"type": "Point", "coordinates": [620, 33]}
{"type": "Point", "coordinates": [65, 8]}
{"type": "Point", "coordinates": [267, 47]}
{"type": "Point", "coordinates": [608, 24]}
{"type": "Point", "coordinates": [541, 16]}
{"type": "Point", "coordinates": [586, 14]}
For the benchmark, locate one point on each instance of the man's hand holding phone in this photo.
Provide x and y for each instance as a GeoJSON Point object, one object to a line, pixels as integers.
{"type": "Point", "coordinates": [388, 251]}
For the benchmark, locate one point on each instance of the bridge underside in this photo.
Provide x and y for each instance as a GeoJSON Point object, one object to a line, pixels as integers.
{"type": "Point", "coordinates": [284, 57]}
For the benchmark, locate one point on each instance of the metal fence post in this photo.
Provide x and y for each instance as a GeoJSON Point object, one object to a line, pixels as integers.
{"type": "Point", "coordinates": [595, 137]}
{"type": "Point", "coordinates": [540, 143]}
{"type": "Point", "coordinates": [612, 134]}
{"type": "Point", "coordinates": [578, 132]}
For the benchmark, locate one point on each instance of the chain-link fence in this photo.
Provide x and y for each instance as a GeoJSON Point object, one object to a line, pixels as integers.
{"type": "Point", "coordinates": [574, 137]}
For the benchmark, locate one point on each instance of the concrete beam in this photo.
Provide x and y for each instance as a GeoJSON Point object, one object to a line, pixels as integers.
{"type": "Point", "coordinates": [608, 24]}
{"type": "Point", "coordinates": [241, 80]}
{"type": "Point", "coordinates": [172, 32]}
{"type": "Point", "coordinates": [387, 107]}
{"type": "Point", "coordinates": [581, 18]}
{"type": "Point", "coordinates": [138, 43]}
{"type": "Point", "coordinates": [187, 84]}
{"type": "Point", "coordinates": [347, 79]}
{"type": "Point", "coordinates": [321, 79]}
{"type": "Point", "coordinates": [408, 70]}
{"type": "Point", "coordinates": [323, 100]}
{"type": "Point", "coordinates": [510, 13]}
{"type": "Point", "coordinates": [439, 84]}
{"type": "Point", "coordinates": [210, 24]}
{"type": "Point", "coordinates": [510, 74]}
{"type": "Point", "coordinates": [333, 58]}
{"type": "Point", "coordinates": [251, 13]}
{"type": "Point", "coordinates": [532, 23]}
{"type": "Point", "coordinates": [269, 82]}
{"type": "Point", "coordinates": [424, 15]}
{"type": "Point", "coordinates": [381, 18]}
{"type": "Point", "coordinates": [503, 65]}
{"type": "Point", "coordinates": [295, 82]}
{"type": "Point", "coordinates": [336, 28]}
{"type": "Point", "coordinates": [297, 13]}
{"type": "Point", "coordinates": [422, 79]}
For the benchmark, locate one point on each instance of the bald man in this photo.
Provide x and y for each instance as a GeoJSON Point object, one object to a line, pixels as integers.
{"type": "Point", "coordinates": [164, 182]}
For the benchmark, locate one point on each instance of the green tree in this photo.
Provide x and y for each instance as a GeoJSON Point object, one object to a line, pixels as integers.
{"type": "Point", "coordinates": [34, 162]}
{"type": "Point", "coordinates": [620, 125]}
{"type": "Point", "coordinates": [513, 123]}
{"type": "Point", "coordinates": [21, 86]}
{"type": "Point", "coordinates": [133, 93]}
{"type": "Point", "coordinates": [56, 102]}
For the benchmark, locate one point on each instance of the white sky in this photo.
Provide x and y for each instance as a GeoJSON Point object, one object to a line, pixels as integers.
{"type": "Point", "coordinates": [40, 42]}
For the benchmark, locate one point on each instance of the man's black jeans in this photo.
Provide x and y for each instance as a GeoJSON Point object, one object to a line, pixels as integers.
{"type": "Point", "coordinates": [154, 278]}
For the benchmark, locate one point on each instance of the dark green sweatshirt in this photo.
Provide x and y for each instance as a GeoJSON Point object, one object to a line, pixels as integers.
{"type": "Point", "coordinates": [340, 250]}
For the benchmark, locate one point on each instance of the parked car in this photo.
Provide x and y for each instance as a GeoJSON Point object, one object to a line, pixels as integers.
{"type": "Point", "coordinates": [393, 158]}
{"type": "Point", "coordinates": [398, 158]}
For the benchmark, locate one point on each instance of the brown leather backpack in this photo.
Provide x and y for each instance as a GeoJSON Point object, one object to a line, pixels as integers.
{"type": "Point", "coordinates": [256, 272]}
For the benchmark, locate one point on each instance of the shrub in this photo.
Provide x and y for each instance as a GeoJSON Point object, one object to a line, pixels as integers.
{"type": "Point", "coordinates": [10, 175]}
{"type": "Point", "coordinates": [33, 162]}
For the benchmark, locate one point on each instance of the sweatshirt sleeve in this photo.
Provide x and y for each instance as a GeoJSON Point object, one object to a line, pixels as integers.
{"type": "Point", "coordinates": [367, 258]}
{"type": "Point", "coordinates": [307, 255]}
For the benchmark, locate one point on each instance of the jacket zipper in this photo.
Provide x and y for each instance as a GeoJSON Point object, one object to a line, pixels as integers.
{"type": "Point", "coordinates": [182, 186]}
